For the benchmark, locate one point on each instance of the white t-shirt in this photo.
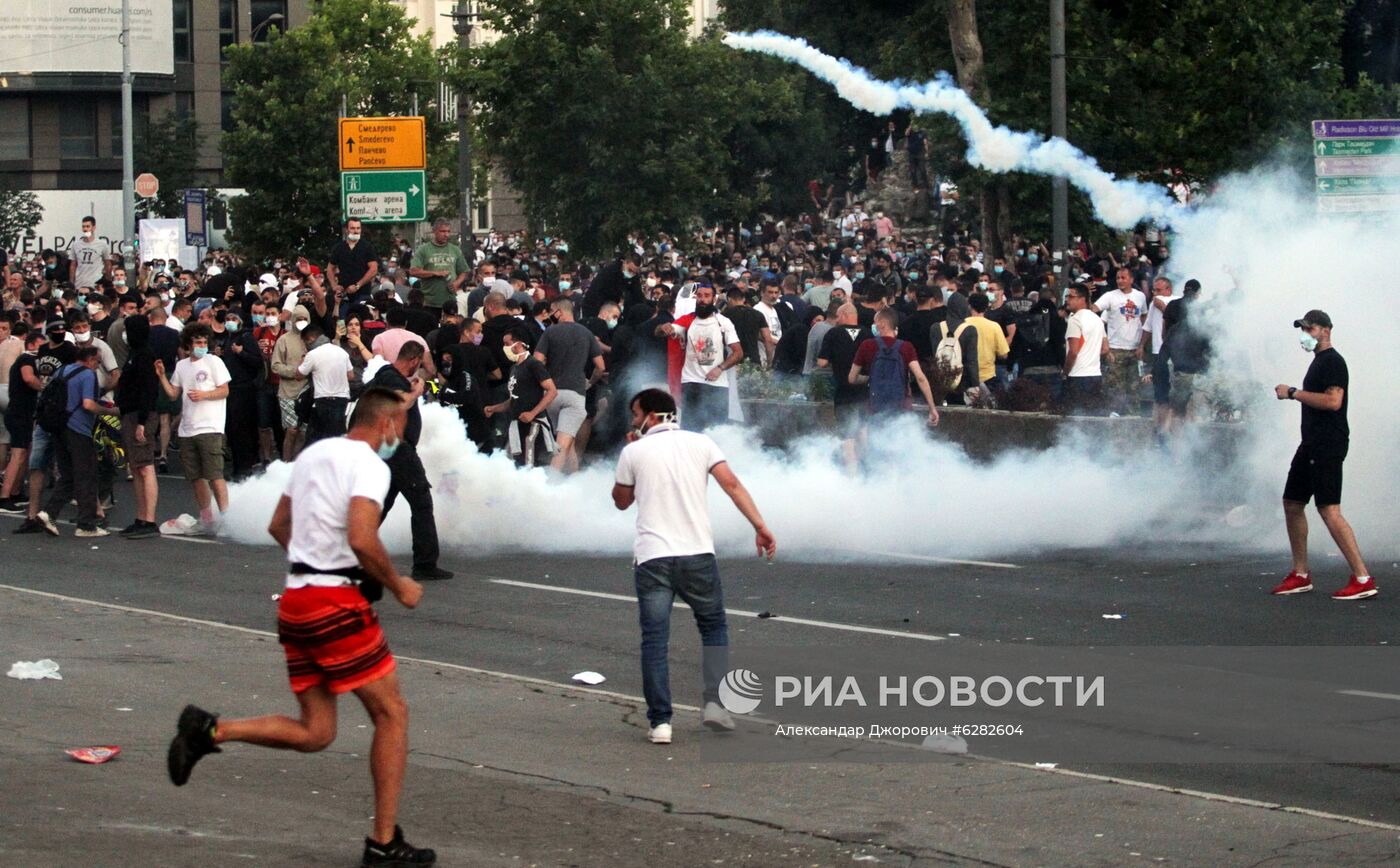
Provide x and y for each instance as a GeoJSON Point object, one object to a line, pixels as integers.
{"type": "Point", "coordinates": [329, 367]}
{"type": "Point", "coordinates": [326, 475]}
{"type": "Point", "coordinates": [1122, 316]}
{"type": "Point", "coordinates": [204, 416]}
{"type": "Point", "coordinates": [1083, 324]}
{"type": "Point", "coordinates": [707, 344]}
{"type": "Point", "coordinates": [669, 470]}
{"type": "Point", "coordinates": [1156, 324]}
{"type": "Point", "coordinates": [775, 327]}
{"type": "Point", "coordinates": [91, 258]}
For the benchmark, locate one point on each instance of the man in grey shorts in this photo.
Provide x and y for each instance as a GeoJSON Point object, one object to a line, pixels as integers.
{"type": "Point", "coordinates": [566, 348]}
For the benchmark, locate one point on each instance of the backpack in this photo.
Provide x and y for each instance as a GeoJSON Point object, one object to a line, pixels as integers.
{"type": "Point", "coordinates": [51, 412]}
{"type": "Point", "coordinates": [889, 378]}
{"type": "Point", "coordinates": [1034, 328]}
{"type": "Point", "coordinates": [948, 357]}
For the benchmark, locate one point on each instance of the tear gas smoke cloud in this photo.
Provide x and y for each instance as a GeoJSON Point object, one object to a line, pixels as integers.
{"type": "Point", "coordinates": [1263, 256]}
{"type": "Point", "coordinates": [1119, 203]}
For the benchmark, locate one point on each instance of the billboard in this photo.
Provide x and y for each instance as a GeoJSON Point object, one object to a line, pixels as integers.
{"type": "Point", "coordinates": [82, 36]}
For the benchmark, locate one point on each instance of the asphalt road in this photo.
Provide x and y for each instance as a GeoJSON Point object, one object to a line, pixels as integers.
{"type": "Point", "coordinates": [549, 616]}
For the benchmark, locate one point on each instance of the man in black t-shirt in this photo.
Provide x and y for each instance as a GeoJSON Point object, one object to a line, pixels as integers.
{"type": "Point", "coordinates": [529, 392]}
{"type": "Point", "coordinates": [1316, 471]}
{"type": "Point", "coordinates": [750, 325]}
{"type": "Point", "coordinates": [353, 265]}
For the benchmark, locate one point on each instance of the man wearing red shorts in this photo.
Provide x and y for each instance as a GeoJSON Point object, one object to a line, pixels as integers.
{"type": "Point", "coordinates": [328, 521]}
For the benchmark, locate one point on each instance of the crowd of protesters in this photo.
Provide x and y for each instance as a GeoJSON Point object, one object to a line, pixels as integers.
{"type": "Point", "coordinates": [230, 365]}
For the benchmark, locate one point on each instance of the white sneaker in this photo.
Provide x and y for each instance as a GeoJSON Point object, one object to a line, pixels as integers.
{"type": "Point", "coordinates": [49, 527]}
{"type": "Point", "coordinates": [95, 532]}
{"type": "Point", "coordinates": [660, 734]}
{"type": "Point", "coordinates": [717, 718]}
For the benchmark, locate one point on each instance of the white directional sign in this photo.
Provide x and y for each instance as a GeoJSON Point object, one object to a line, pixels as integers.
{"type": "Point", "coordinates": [384, 197]}
{"type": "Point", "coordinates": [1357, 204]}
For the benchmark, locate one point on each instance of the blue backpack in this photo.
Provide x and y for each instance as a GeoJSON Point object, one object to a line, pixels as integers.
{"type": "Point", "coordinates": [889, 377]}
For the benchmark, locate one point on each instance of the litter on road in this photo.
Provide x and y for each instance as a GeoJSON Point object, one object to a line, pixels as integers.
{"type": "Point", "coordinates": [589, 678]}
{"type": "Point", "coordinates": [34, 670]}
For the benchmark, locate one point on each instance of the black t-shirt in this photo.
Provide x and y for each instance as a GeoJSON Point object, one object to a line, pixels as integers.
{"type": "Point", "coordinates": [50, 360]}
{"type": "Point", "coordinates": [165, 345]}
{"type": "Point", "coordinates": [1186, 344]}
{"type": "Point", "coordinates": [749, 325]}
{"type": "Point", "coordinates": [1325, 432]}
{"type": "Point", "coordinates": [918, 330]}
{"type": "Point", "coordinates": [351, 263]}
{"type": "Point", "coordinates": [22, 398]}
{"type": "Point", "coordinates": [388, 377]}
{"type": "Point", "coordinates": [469, 364]}
{"type": "Point", "coordinates": [526, 387]}
{"type": "Point", "coordinates": [420, 321]}
{"type": "Point", "coordinates": [839, 349]}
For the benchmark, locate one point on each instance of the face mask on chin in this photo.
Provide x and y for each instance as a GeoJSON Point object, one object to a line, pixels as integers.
{"type": "Point", "coordinates": [387, 448]}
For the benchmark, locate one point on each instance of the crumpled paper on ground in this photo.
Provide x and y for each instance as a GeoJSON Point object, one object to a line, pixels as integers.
{"type": "Point", "coordinates": [33, 670]}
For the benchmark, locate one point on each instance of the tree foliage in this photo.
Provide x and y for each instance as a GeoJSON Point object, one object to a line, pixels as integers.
{"type": "Point", "coordinates": [168, 149]}
{"type": "Point", "coordinates": [287, 96]}
{"type": "Point", "coordinates": [608, 118]}
{"type": "Point", "coordinates": [20, 214]}
{"type": "Point", "coordinates": [1204, 87]}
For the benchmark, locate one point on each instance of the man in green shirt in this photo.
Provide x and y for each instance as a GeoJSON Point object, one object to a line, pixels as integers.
{"type": "Point", "coordinates": [439, 266]}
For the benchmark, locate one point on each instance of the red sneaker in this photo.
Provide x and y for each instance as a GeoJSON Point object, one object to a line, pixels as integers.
{"type": "Point", "coordinates": [1294, 584]}
{"type": "Point", "coordinates": [1356, 590]}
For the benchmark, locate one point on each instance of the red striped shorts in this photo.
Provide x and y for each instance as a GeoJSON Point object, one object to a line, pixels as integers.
{"type": "Point", "coordinates": [332, 637]}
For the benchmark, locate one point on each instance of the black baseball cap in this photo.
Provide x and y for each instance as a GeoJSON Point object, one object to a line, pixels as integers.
{"type": "Point", "coordinates": [1313, 318]}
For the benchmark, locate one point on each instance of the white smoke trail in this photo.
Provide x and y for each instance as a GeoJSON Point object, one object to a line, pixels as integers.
{"type": "Point", "coordinates": [1120, 203]}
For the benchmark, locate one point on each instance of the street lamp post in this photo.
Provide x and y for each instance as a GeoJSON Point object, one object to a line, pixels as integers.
{"type": "Point", "coordinates": [463, 20]}
{"type": "Point", "coordinates": [1059, 127]}
{"type": "Point", "coordinates": [128, 159]}
{"type": "Point", "coordinates": [274, 18]}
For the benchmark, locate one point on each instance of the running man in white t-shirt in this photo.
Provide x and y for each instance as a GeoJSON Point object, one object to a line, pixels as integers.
{"type": "Point", "coordinates": [328, 521]}
{"type": "Point", "coordinates": [666, 471]}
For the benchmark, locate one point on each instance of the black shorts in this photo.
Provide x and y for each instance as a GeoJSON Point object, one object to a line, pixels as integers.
{"type": "Point", "coordinates": [21, 434]}
{"type": "Point", "coordinates": [1314, 476]}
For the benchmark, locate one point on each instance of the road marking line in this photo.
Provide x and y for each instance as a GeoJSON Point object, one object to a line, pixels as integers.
{"type": "Point", "coordinates": [934, 560]}
{"type": "Point", "coordinates": [1369, 695]}
{"type": "Point", "coordinates": [576, 688]}
{"type": "Point", "coordinates": [194, 539]}
{"type": "Point", "coordinates": [829, 625]}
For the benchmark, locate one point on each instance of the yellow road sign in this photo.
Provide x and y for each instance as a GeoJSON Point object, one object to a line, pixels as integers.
{"type": "Point", "coordinates": [382, 143]}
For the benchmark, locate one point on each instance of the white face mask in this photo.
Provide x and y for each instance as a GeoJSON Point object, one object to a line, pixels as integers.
{"type": "Point", "coordinates": [291, 284]}
{"type": "Point", "coordinates": [94, 309]}
{"type": "Point", "coordinates": [353, 237]}
{"type": "Point", "coordinates": [82, 337]}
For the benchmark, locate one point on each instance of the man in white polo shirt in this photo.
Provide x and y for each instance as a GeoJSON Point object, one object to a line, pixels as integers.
{"type": "Point", "coordinates": [665, 471]}
{"type": "Point", "coordinates": [329, 368]}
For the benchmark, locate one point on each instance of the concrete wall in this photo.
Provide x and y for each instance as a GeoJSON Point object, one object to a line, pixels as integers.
{"type": "Point", "coordinates": [986, 433]}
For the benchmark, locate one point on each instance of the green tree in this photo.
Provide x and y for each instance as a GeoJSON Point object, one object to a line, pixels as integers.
{"type": "Point", "coordinates": [20, 213]}
{"type": "Point", "coordinates": [168, 149]}
{"type": "Point", "coordinates": [287, 96]}
{"type": "Point", "coordinates": [608, 118]}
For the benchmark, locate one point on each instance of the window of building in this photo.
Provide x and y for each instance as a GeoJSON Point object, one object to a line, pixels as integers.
{"type": "Point", "coordinates": [14, 128]}
{"type": "Point", "coordinates": [183, 15]}
{"type": "Point", "coordinates": [228, 24]}
{"type": "Point", "coordinates": [263, 10]}
{"type": "Point", "coordinates": [226, 123]}
{"type": "Point", "coordinates": [184, 104]}
{"type": "Point", "coordinates": [77, 131]}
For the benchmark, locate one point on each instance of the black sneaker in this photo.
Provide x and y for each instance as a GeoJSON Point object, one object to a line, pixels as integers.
{"type": "Point", "coordinates": [131, 528]}
{"type": "Point", "coordinates": [13, 506]}
{"type": "Point", "coordinates": [397, 852]}
{"type": "Point", "coordinates": [194, 737]}
{"type": "Point", "coordinates": [431, 574]}
{"type": "Point", "coordinates": [30, 525]}
{"type": "Point", "coordinates": [144, 530]}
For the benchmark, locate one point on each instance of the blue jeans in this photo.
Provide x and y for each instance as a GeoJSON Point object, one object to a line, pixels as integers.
{"type": "Point", "coordinates": [695, 579]}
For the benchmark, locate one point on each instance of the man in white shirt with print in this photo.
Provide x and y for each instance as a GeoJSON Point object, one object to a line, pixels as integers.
{"type": "Point", "coordinates": [711, 349]}
{"type": "Point", "coordinates": [1085, 347]}
{"type": "Point", "coordinates": [666, 471]}
{"type": "Point", "coordinates": [200, 382]}
{"type": "Point", "coordinates": [1124, 310]}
